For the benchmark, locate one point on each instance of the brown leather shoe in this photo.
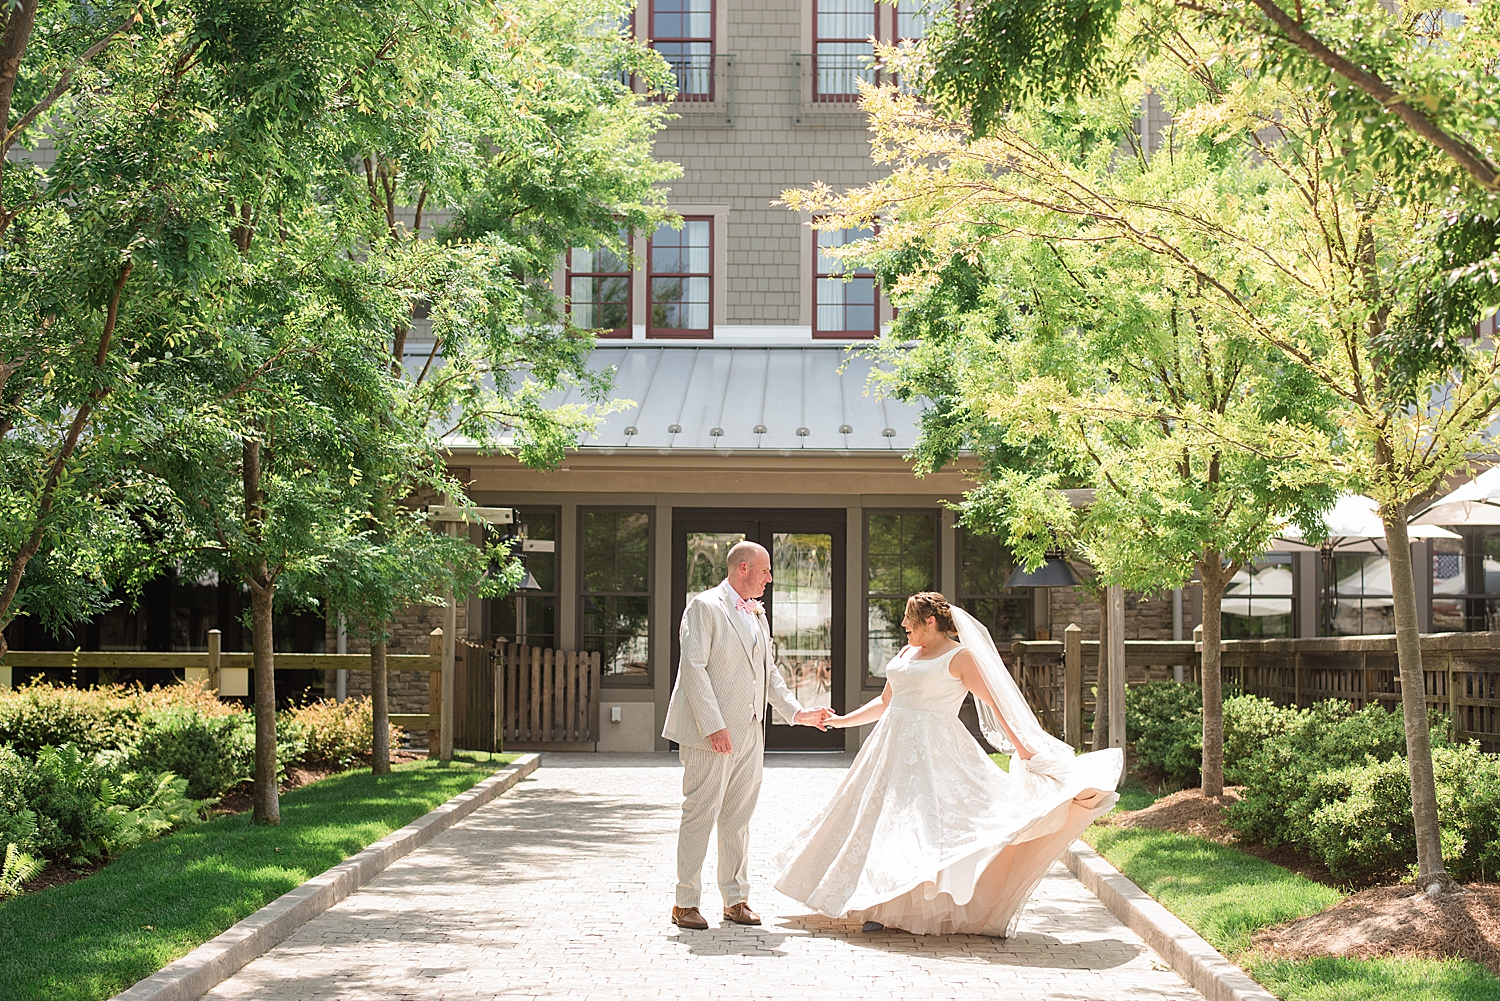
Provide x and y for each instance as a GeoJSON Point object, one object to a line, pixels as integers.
{"type": "Point", "coordinates": [741, 914]}
{"type": "Point", "coordinates": [688, 917]}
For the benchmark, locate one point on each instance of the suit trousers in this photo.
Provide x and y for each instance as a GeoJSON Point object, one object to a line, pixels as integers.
{"type": "Point", "coordinates": [719, 790]}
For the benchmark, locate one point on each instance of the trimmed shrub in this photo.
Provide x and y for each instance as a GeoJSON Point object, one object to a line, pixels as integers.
{"type": "Point", "coordinates": [1250, 722]}
{"type": "Point", "coordinates": [1165, 720]}
{"type": "Point", "coordinates": [40, 715]}
{"type": "Point", "coordinates": [212, 753]}
{"type": "Point", "coordinates": [1281, 795]}
{"type": "Point", "coordinates": [340, 732]}
{"type": "Point", "coordinates": [1365, 826]}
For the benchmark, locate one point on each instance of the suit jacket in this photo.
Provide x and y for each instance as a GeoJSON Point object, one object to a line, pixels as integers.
{"type": "Point", "coordinates": [723, 679]}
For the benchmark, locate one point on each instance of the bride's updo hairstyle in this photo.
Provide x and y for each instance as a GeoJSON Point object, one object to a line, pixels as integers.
{"type": "Point", "coordinates": [926, 605]}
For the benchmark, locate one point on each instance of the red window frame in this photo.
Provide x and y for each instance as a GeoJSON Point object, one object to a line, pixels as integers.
{"type": "Point", "coordinates": [819, 274]}
{"type": "Point", "coordinates": [713, 48]}
{"type": "Point", "coordinates": [652, 330]}
{"type": "Point", "coordinates": [877, 10]}
{"type": "Point", "coordinates": [628, 274]}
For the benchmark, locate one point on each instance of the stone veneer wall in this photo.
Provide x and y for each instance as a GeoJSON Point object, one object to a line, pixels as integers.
{"type": "Point", "coordinates": [1145, 619]}
{"type": "Point", "coordinates": [408, 689]}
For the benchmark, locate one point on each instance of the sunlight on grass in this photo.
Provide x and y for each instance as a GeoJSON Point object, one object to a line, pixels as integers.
{"type": "Point", "coordinates": [1226, 896]}
{"type": "Point", "coordinates": [1332, 979]}
{"type": "Point", "coordinates": [91, 939]}
{"type": "Point", "coordinates": [1223, 893]}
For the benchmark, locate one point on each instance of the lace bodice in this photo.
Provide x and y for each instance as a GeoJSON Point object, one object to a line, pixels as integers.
{"type": "Point", "coordinates": [926, 684]}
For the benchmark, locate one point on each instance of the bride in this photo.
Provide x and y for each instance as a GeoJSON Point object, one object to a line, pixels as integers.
{"type": "Point", "coordinates": [926, 833]}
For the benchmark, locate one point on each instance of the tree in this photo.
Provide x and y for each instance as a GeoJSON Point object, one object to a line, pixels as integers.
{"type": "Point", "coordinates": [1064, 361]}
{"type": "Point", "coordinates": [1369, 284]}
{"type": "Point", "coordinates": [105, 246]}
{"type": "Point", "coordinates": [519, 126]}
{"type": "Point", "coordinates": [1400, 80]}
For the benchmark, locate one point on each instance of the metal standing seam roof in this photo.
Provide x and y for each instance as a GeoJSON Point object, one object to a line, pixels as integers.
{"type": "Point", "coordinates": [784, 399]}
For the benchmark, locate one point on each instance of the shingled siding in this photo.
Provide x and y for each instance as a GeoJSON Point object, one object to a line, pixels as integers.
{"type": "Point", "coordinates": [773, 143]}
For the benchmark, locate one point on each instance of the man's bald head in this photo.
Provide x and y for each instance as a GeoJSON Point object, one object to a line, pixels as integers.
{"type": "Point", "coordinates": [749, 569]}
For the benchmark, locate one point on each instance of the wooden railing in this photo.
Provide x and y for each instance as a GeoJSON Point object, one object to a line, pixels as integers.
{"type": "Point", "coordinates": [229, 673]}
{"type": "Point", "coordinates": [1461, 672]}
{"type": "Point", "coordinates": [549, 699]}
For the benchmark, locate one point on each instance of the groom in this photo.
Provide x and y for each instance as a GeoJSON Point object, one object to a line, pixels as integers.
{"type": "Point", "coordinates": [725, 678]}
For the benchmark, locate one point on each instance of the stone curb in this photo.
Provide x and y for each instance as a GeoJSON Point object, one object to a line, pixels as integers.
{"type": "Point", "coordinates": [1200, 964]}
{"type": "Point", "coordinates": [218, 959]}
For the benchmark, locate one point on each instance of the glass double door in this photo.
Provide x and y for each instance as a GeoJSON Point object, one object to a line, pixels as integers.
{"type": "Point", "coordinates": [804, 601]}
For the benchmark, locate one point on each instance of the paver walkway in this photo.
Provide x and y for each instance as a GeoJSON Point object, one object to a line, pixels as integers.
{"type": "Point", "coordinates": [561, 888]}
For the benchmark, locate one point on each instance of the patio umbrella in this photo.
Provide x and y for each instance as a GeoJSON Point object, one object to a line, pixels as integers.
{"type": "Point", "coordinates": [1354, 526]}
{"type": "Point", "coordinates": [1475, 503]}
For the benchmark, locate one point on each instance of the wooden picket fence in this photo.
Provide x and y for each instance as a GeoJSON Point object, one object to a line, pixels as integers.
{"type": "Point", "coordinates": [1461, 674]}
{"type": "Point", "coordinates": [549, 699]}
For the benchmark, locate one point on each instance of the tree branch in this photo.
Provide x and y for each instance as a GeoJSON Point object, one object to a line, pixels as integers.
{"type": "Point", "coordinates": [1479, 167]}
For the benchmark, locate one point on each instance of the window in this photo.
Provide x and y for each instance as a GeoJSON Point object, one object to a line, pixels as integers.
{"type": "Point", "coordinates": [900, 560]}
{"type": "Point", "coordinates": [599, 289]}
{"type": "Point", "coordinates": [912, 19]}
{"type": "Point", "coordinates": [1258, 601]}
{"type": "Point", "coordinates": [681, 279]}
{"type": "Point", "coordinates": [529, 616]}
{"type": "Point", "coordinates": [1448, 589]}
{"type": "Point", "coordinates": [1466, 581]}
{"type": "Point", "coordinates": [987, 564]}
{"type": "Point", "coordinates": [1357, 595]}
{"type": "Point", "coordinates": [683, 32]}
{"type": "Point", "coordinates": [842, 30]}
{"type": "Point", "coordinates": [846, 306]}
{"type": "Point", "coordinates": [616, 594]}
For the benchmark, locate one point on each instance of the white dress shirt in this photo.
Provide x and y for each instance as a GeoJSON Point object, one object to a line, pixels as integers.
{"type": "Point", "coordinates": [745, 613]}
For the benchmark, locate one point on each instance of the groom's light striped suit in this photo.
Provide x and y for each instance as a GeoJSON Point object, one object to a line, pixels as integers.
{"type": "Point", "coordinates": [725, 679]}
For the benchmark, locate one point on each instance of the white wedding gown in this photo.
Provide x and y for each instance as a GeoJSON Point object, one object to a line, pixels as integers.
{"type": "Point", "coordinates": [926, 833]}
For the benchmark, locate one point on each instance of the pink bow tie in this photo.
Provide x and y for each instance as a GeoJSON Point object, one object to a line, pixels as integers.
{"type": "Point", "coordinates": [744, 605]}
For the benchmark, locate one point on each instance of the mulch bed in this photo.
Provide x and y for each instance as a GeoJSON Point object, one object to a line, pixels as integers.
{"type": "Point", "coordinates": [1397, 921]}
{"type": "Point", "coordinates": [1375, 921]}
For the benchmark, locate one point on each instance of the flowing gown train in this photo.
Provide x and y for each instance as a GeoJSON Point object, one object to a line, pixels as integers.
{"type": "Point", "coordinates": [926, 833]}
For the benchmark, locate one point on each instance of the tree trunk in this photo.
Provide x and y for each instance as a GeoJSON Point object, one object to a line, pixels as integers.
{"type": "Point", "coordinates": [267, 802]}
{"type": "Point", "coordinates": [1214, 580]}
{"type": "Point", "coordinates": [380, 760]}
{"type": "Point", "coordinates": [1101, 689]}
{"type": "Point", "coordinates": [1430, 868]}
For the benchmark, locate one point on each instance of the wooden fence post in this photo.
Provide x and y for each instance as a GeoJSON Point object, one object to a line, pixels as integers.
{"type": "Point", "coordinates": [1073, 685]}
{"type": "Point", "coordinates": [435, 693]}
{"type": "Point", "coordinates": [497, 665]}
{"type": "Point", "coordinates": [1116, 601]}
{"type": "Point", "coordinates": [215, 645]}
{"type": "Point", "coordinates": [449, 685]}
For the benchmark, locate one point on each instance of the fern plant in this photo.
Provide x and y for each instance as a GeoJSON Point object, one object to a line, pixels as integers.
{"type": "Point", "coordinates": [18, 869]}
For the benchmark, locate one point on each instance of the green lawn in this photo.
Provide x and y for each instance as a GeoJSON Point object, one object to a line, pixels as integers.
{"type": "Point", "coordinates": [1226, 895]}
{"type": "Point", "coordinates": [91, 939]}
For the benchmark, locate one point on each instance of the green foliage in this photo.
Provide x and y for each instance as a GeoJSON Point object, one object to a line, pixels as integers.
{"type": "Point", "coordinates": [1281, 789]}
{"type": "Point", "coordinates": [41, 715]}
{"type": "Point", "coordinates": [213, 754]}
{"type": "Point", "coordinates": [89, 940]}
{"type": "Point", "coordinates": [1165, 719]}
{"type": "Point", "coordinates": [342, 733]}
{"type": "Point", "coordinates": [90, 808]}
{"type": "Point", "coordinates": [986, 55]}
{"type": "Point", "coordinates": [1226, 896]}
{"type": "Point", "coordinates": [18, 868]}
{"type": "Point", "coordinates": [1364, 824]}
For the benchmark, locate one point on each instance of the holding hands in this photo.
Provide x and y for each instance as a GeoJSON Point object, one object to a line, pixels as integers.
{"type": "Point", "coordinates": [817, 716]}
